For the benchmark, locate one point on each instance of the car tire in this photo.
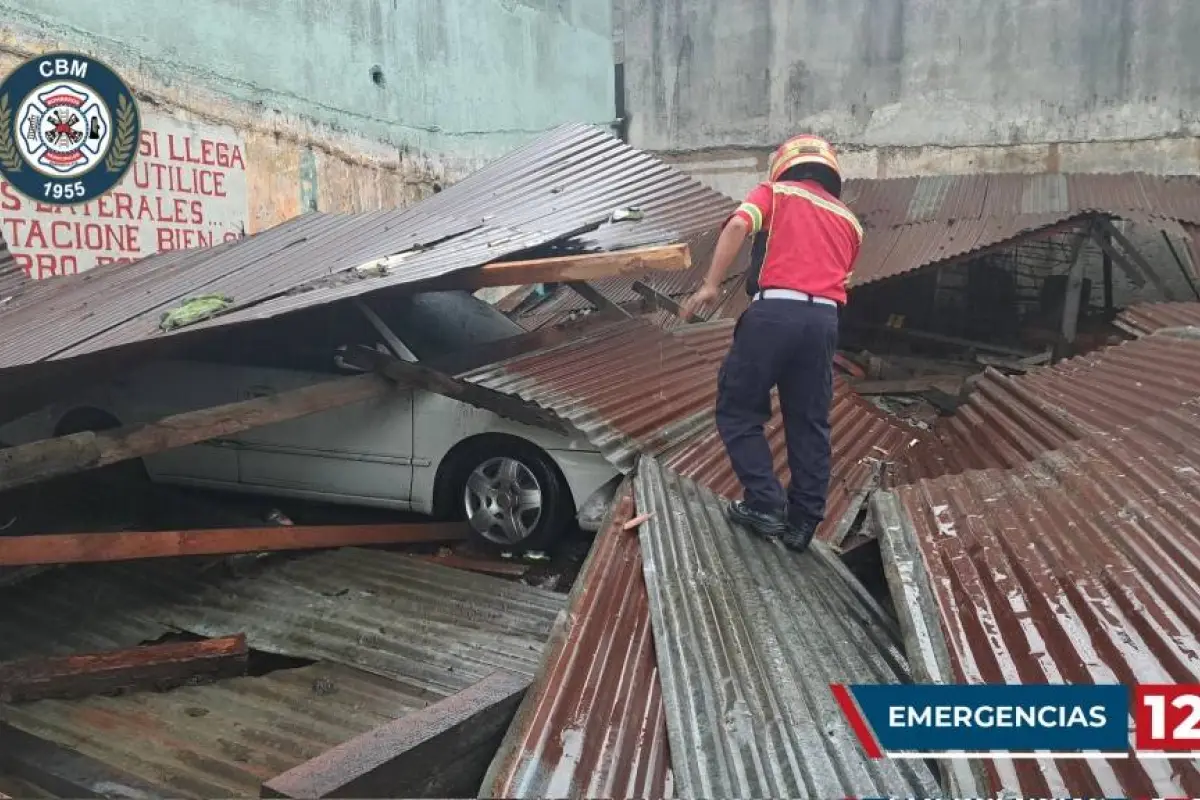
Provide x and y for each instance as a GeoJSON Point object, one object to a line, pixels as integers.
{"type": "Point", "coordinates": [491, 481]}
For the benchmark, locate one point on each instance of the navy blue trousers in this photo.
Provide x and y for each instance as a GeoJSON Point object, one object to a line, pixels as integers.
{"type": "Point", "coordinates": [788, 344]}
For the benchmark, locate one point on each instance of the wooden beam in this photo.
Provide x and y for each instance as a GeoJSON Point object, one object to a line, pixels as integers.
{"type": "Point", "coordinates": [1134, 254]}
{"type": "Point", "coordinates": [595, 297]}
{"type": "Point", "coordinates": [48, 458]}
{"type": "Point", "coordinates": [656, 299]}
{"type": "Point", "coordinates": [1132, 272]}
{"type": "Point", "coordinates": [422, 377]}
{"type": "Point", "coordinates": [441, 751]}
{"type": "Point", "coordinates": [155, 667]}
{"type": "Point", "coordinates": [950, 384]}
{"type": "Point", "coordinates": [80, 548]}
{"type": "Point", "coordinates": [1073, 297]}
{"type": "Point", "coordinates": [564, 269]}
{"type": "Point", "coordinates": [63, 772]}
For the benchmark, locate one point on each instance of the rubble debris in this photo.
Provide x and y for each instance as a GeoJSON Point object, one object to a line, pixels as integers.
{"type": "Point", "coordinates": [65, 772]}
{"type": "Point", "coordinates": [1147, 318]}
{"type": "Point", "coordinates": [47, 458]}
{"type": "Point", "coordinates": [193, 310]}
{"type": "Point", "coordinates": [153, 667]}
{"type": "Point", "coordinates": [440, 751]}
{"type": "Point", "coordinates": [77, 548]}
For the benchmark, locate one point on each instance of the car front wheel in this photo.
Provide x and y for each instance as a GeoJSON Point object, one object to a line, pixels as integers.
{"type": "Point", "coordinates": [515, 499]}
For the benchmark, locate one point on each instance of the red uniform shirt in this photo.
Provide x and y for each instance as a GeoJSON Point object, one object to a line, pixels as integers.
{"type": "Point", "coordinates": [812, 238]}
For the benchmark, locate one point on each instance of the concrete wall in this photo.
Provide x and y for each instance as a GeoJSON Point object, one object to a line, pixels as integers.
{"type": "Point", "coordinates": [336, 105]}
{"type": "Point", "coordinates": [909, 87]}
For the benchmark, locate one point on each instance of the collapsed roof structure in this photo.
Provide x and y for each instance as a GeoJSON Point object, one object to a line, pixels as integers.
{"type": "Point", "coordinates": [688, 660]}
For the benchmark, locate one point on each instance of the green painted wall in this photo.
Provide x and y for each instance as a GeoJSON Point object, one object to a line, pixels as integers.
{"type": "Point", "coordinates": [463, 78]}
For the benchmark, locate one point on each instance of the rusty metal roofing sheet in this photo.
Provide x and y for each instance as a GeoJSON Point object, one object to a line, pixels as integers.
{"type": "Point", "coordinates": [1147, 318]}
{"type": "Point", "coordinates": [222, 739]}
{"type": "Point", "coordinates": [593, 724]}
{"type": "Point", "coordinates": [749, 637]}
{"type": "Point", "coordinates": [899, 201]}
{"type": "Point", "coordinates": [1009, 420]}
{"type": "Point", "coordinates": [435, 628]}
{"type": "Point", "coordinates": [1078, 567]}
{"type": "Point", "coordinates": [561, 185]}
{"type": "Point", "coordinates": [629, 386]}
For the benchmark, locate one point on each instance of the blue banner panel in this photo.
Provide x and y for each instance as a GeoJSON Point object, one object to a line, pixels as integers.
{"type": "Point", "coordinates": [1012, 718]}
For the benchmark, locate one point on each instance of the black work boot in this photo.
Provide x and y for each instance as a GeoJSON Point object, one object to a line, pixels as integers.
{"type": "Point", "coordinates": [798, 535]}
{"type": "Point", "coordinates": [765, 524]}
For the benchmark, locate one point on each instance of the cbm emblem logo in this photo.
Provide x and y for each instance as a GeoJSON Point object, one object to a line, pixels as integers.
{"type": "Point", "coordinates": [69, 128]}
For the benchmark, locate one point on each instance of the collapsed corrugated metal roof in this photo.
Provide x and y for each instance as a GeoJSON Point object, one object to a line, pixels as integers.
{"type": "Point", "coordinates": [1147, 318]}
{"type": "Point", "coordinates": [12, 277]}
{"type": "Point", "coordinates": [918, 222]}
{"type": "Point", "coordinates": [1009, 420]}
{"type": "Point", "coordinates": [1080, 567]}
{"type": "Point", "coordinates": [629, 386]}
{"type": "Point", "coordinates": [388, 633]}
{"type": "Point", "coordinates": [593, 724]}
{"type": "Point", "coordinates": [561, 189]}
{"type": "Point", "coordinates": [632, 388]}
{"type": "Point", "coordinates": [749, 637]}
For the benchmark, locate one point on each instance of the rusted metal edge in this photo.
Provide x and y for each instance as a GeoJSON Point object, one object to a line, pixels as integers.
{"type": "Point", "coordinates": [592, 723]}
{"type": "Point", "coordinates": [920, 623]}
{"type": "Point", "coordinates": [424, 754]}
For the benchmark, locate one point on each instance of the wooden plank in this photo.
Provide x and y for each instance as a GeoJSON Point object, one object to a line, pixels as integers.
{"type": "Point", "coordinates": [595, 297]}
{"type": "Point", "coordinates": [48, 458]}
{"type": "Point", "coordinates": [422, 377]}
{"type": "Point", "coordinates": [564, 269]}
{"type": "Point", "coordinates": [1135, 255]}
{"type": "Point", "coordinates": [482, 565]}
{"type": "Point", "coordinates": [656, 299]}
{"type": "Point", "coordinates": [441, 751]}
{"type": "Point", "coordinates": [155, 667]}
{"type": "Point", "coordinates": [77, 548]}
{"type": "Point", "coordinates": [950, 384]}
{"type": "Point", "coordinates": [63, 772]}
{"type": "Point", "coordinates": [1073, 300]}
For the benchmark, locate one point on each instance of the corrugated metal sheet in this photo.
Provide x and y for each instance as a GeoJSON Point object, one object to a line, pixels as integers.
{"type": "Point", "coordinates": [629, 386]}
{"type": "Point", "coordinates": [900, 201]}
{"type": "Point", "coordinates": [223, 739]}
{"type": "Point", "coordinates": [1009, 420]}
{"type": "Point", "coordinates": [593, 723]}
{"type": "Point", "coordinates": [1147, 318]}
{"type": "Point", "coordinates": [565, 182]}
{"type": "Point", "coordinates": [1080, 567]}
{"type": "Point", "coordinates": [749, 637]}
{"type": "Point", "coordinates": [432, 627]}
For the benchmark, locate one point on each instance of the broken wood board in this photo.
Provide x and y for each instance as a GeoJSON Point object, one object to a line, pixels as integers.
{"type": "Point", "coordinates": [566, 269]}
{"type": "Point", "coordinates": [422, 377]}
{"type": "Point", "coordinates": [79, 548]}
{"type": "Point", "coordinates": [152, 667]}
{"type": "Point", "coordinates": [481, 565]}
{"type": "Point", "coordinates": [63, 455]}
{"type": "Point", "coordinates": [950, 384]}
{"type": "Point", "coordinates": [441, 751]}
{"type": "Point", "coordinates": [64, 772]}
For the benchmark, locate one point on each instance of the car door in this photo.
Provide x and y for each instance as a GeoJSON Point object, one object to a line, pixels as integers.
{"type": "Point", "coordinates": [357, 453]}
{"type": "Point", "coordinates": [164, 388]}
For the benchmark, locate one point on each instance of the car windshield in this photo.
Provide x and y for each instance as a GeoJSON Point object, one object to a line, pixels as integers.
{"type": "Point", "coordinates": [437, 324]}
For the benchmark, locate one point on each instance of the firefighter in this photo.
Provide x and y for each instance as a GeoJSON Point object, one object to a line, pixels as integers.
{"type": "Point", "coordinates": [805, 244]}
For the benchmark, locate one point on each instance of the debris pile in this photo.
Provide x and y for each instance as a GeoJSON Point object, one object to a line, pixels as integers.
{"type": "Point", "coordinates": [1027, 499]}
